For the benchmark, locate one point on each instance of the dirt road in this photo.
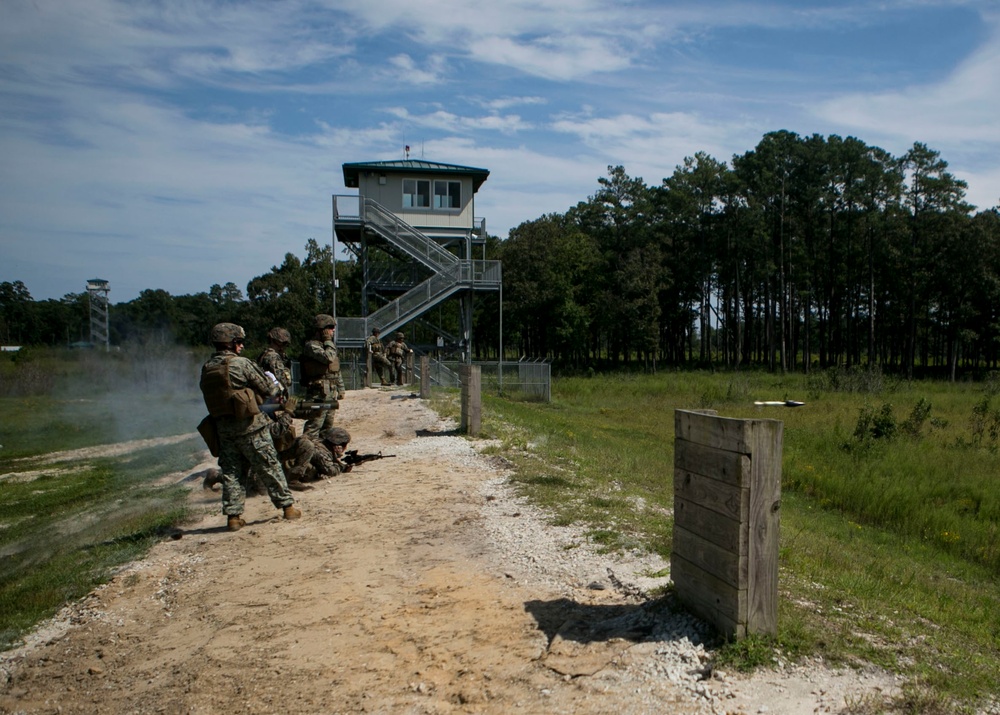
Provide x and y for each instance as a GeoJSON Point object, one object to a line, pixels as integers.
{"type": "Point", "coordinates": [415, 584]}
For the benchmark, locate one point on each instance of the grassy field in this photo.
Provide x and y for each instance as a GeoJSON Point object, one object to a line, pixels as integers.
{"type": "Point", "coordinates": [65, 532]}
{"type": "Point", "coordinates": [65, 526]}
{"type": "Point", "coordinates": [890, 551]}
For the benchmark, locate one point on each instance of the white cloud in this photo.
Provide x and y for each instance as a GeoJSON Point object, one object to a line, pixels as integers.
{"type": "Point", "coordinates": [406, 70]}
{"type": "Point", "coordinates": [960, 109]}
{"type": "Point", "coordinates": [448, 121]}
{"type": "Point", "coordinates": [501, 103]}
{"type": "Point", "coordinates": [652, 146]}
{"type": "Point", "coordinates": [562, 57]}
{"type": "Point", "coordinates": [208, 202]}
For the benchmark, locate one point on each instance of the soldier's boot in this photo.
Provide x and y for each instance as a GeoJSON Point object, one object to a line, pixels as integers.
{"type": "Point", "coordinates": [291, 512]}
{"type": "Point", "coordinates": [235, 522]}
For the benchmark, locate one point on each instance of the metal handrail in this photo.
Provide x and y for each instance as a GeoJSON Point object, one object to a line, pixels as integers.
{"type": "Point", "coordinates": [450, 272]}
{"type": "Point", "coordinates": [404, 236]}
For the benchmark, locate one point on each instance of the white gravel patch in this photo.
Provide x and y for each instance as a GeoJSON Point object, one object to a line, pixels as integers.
{"type": "Point", "coordinates": [561, 562]}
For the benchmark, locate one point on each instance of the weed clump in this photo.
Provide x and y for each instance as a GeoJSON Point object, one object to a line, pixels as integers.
{"type": "Point", "coordinates": [880, 426]}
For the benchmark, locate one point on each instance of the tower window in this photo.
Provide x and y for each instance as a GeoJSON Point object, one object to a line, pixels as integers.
{"type": "Point", "coordinates": [416, 194]}
{"type": "Point", "coordinates": [447, 194]}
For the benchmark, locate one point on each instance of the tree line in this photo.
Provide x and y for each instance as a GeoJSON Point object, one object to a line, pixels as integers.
{"type": "Point", "coordinates": [805, 251]}
{"type": "Point", "coordinates": [288, 295]}
{"type": "Point", "coordinates": [802, 252]}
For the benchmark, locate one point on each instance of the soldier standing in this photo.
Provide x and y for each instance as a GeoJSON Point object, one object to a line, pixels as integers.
{"type": "Point", "coordinates": [377, 352]}
{"type": "Point", "coordinates": [321, 375]}
{"type": "Point", "coordinates": [275, 361]}
{"type": "Point", "coordinates": [233, 388]}
{"type": "Point", "coordinates": [397, 357]}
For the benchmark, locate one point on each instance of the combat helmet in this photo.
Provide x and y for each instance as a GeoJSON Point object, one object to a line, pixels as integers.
{"type": "Point", "coordinates": [324, 321]}
{"type": "Point", "coordinates": [224, 333]}
{"type": "Point", "coordinates": [400, 336]}
{"type": "Point", "coordinates": [279, 335]}
{"type": "Point", "coordinates": [336, 435]}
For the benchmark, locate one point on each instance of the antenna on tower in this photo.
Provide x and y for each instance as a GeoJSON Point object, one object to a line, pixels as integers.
{"type": "Point", "coordinates": [98, 289]}
{"type": "Point", "coordinates": [407, 151]}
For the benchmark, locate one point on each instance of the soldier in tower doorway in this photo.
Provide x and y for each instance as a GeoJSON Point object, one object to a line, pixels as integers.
{"type": "Point", "coordinates": [234, 388]}
{"type": "Point", "coordinates": [321, 375]}
{"type": "Point", "coordinates": [380, 363]}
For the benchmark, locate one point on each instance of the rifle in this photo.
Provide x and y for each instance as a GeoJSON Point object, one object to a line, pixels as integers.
{"type": "Point", "coordinates": [352, 457]}
{"type": "Point", "coordinates": [296, 407]}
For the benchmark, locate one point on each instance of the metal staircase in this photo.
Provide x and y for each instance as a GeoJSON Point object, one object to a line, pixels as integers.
{"type": "Point", "coordinates": [450, 274]}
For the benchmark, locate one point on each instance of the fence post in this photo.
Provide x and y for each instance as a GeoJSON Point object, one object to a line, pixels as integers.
{"type": "Point", "coordinates": [472, 399]}
{"type": "Point", "coordinates": [727, 498]}
{"type": "Point", "coordinates": [425, 377]}
{"type": "Point", "coordinates": [409, 368]}
{"type": "Point", "coordinates": [368, 368]}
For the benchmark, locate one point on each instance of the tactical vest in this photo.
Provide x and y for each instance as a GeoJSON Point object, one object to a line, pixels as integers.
{"type": "Point", "coordinates": [220, 397]}
{"type": "Point", "coordinates": [396, 349]}
{"type": "Point", "coordinates": [314, 370]}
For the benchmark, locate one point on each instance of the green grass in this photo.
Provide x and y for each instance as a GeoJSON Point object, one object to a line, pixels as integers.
{"type": "Point", "coordinates": [62, 399]}
{"type": "Point", "coordinates": [889, 547]}
{"type": "Point", "coordinates": [65, 526]}
{"type": "Point", "coordinates": [65, 532]}
{"type": "Point", "coordinates": [35, 425]}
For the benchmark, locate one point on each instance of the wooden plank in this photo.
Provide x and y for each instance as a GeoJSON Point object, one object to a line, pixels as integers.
{"type": "Point", "coordinates": [727, 499]}
{"type": "Point", "coordinates": [730, 467]}
{"type": "Point", "coordinates": [728, 566]}
{"type": "Point", "coordinates": [471, 398]}
{"type": "Point", "coordinates": [720, 529]}
{"type": "Point", "coordinates": [712, 494]}
{"type": "Point", "coordinates": [764, 521]}
{"type": "Point", "coordinates": [726, 433]}
{"type": "Point", "coordinates": [710, 598]}
{"type": "Point", "coordinates": [425, 377]}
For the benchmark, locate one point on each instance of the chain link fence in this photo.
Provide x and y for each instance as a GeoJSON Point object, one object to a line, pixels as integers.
{"type": "Point", "coordinates": [529, 380]}
{"type": "Point", "coordinates": [523, 380]}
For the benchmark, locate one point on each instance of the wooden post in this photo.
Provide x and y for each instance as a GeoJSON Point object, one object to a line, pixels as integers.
{"type": "Point", "coordinates": [727, 498]}
{"type": "Point", "coordinates": [472, 399]}
{"type": "Point", "coordinates": [425, 377]}
{"type": "Point", "coordinates": [368, 368]}
{"type": "Point", "coordinates": [409, 368]}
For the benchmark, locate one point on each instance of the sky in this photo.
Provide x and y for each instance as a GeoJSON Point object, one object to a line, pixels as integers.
{"type": "Point", "coordinates": [178, 144]}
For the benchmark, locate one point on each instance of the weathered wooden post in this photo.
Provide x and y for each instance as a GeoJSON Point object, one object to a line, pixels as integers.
{"type": "Point", "coordinates": [727, 499]}
{"type": "Point", "coordinates": [472, 398]}
{"type": "Point", "coordinates": [425, 377]}
{"type": "Point", "coordinates": [368, 368]}
{"type": "Point", "coordinates": [411, 378]}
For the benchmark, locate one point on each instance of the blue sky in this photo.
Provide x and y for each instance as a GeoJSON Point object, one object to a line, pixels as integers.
{"type": "Point", "coordinates": [180, 143]}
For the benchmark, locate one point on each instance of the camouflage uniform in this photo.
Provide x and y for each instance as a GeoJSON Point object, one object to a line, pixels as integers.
{"type": "Point", "coordinates": [245, 441]}
{"type": "Point", "coordinates": [277, 364]}
{"type": "Point", "coordinates": [321, 377]}
{"type": "Point", "coordinates": [397, 357]}
{"type": "Point", "coordinates": [308, 460]}
{"type": "Point", "coordinates": [379, 361]}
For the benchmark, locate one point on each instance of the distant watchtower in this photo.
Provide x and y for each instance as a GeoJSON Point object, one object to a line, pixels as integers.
{"type": "Point", "coordinates": [98, 289]}
{"type": "Point", "coordinates": [413, 229]}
